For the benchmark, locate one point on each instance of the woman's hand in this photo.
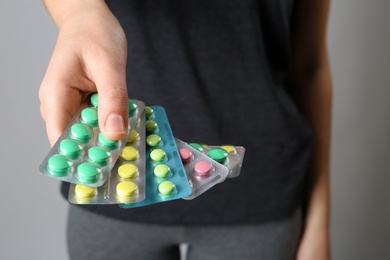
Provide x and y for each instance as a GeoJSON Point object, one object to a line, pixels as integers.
{"type": "Point", "coordinates": [89, 56]}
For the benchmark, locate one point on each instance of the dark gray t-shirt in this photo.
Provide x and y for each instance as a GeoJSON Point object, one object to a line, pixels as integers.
{"type": "Point", "coordinates": [219, 68]}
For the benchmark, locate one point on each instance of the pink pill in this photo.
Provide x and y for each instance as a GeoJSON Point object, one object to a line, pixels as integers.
{"type": "Point", "coordinates": [202, 168]}
{"type": "Point", "coordinates": [185, 155]}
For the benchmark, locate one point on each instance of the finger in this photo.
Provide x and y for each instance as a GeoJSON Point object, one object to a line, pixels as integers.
{"type": "Point", "coordinates": [58, 105]}
{"type": "Point", "coordinates": [110, 80]}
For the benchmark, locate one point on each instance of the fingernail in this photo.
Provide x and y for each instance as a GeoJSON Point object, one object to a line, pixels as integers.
{"type": "Point", "coordinates": [115, 124]}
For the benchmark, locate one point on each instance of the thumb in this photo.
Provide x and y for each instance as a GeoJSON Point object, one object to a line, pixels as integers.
{"type": "Point", "coordinates": [113, 103]}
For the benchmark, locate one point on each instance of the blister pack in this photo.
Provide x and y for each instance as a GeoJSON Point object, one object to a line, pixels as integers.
{"type": "Point", "coordinates": [166, 178]}
{"type": "Point", "coordinates": [126, 183]}
{"type": "Point", "coordinates": [233, 151]}
{"type": "Point", "coordinates": [82, 155]}
{"type": "Point", "coordinates": [202, 171]}
{"type": "Point", "coordinates": [232, 161]}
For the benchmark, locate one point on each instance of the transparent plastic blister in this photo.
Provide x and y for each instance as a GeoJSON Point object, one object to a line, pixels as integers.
{"type": "Point", "coordinates": [222, 155]}
{"type": "Point", "coordinates": [126, 183]}
{"type": "Point", "coordinates": [82, 155]}
{"type": "Point", "coordinates": [166, 178]}
{"type": "Point", "coordinates": [235, 154]}
{"type": "Point", "coordinates": [202, 171]}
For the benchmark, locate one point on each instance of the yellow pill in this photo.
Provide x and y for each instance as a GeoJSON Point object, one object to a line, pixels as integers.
{"type": "Point", "coordinates": [126, 189]}
{"type": "Point", "coordinates": [129, 153]}
{"type": "Point", "coordinates": [229, 148]}
{"type": "Point", "coordinates": [133, 136]}
{"type": "Point", "coordinates": [84, 191]}
{"type": "Point", "coordinates": [127, 171]}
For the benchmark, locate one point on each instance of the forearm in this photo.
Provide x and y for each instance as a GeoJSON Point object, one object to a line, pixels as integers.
{"type": "Point", "coordinates": [309, 83]}
{"type": "Point", "coordinates": [312, 91]}
{"type": "Point", "coordinates": [316, 104]}
{"type": "Point", "coordinates": [63, 10]}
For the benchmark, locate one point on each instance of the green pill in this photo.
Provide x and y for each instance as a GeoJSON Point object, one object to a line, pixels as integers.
{"type": "Point", "coordinates": [161, 171]}
{"type": "Point", "coordinates": [197, 146]}
{"type": "Point", "coordinates": [99, 155]}
{"type": "Point", "coordinates": [81, 132]}
{"type": "Point", "coordinates": [70, 148]}
{"type": "Point", "coordinates": [153, 140]}
{"type": "Point", "coordinates": [132, 107]}
{"type": "Point", "coordinates": [157, 155]}
{"type": "Point", "coordinates": [89, 116]}
{"type": "Point", "coordinates": [149, 112]}
{"type": "Point", "coordinates": [58, 165]}
{"type": "Point", "coordinates": [88, 172]}
{"type": "Point", "coordinates": [166, 188]}
{"type": "Point", "coordinates": [150, 126]}
{"type": "Point", "coordinates": [218, 154]}
{"type": "Point", "coordinates": [94, 100]}
{"type": "Point", "coordinates": [108, 143]}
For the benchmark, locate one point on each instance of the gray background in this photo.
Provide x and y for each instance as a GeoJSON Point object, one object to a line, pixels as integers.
{"type": "Point", "coordinates": [33, 215]}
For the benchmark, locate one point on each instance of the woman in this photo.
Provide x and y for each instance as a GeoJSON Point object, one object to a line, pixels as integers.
{"type": "Point", "coordinates": [250, 73]}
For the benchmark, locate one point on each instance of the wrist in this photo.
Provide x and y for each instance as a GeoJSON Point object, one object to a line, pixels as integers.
{"type": "Point", "coordinates": [63, 12]}
{"type": "Point", "coordinates": [315, 243]}
{"type": "Point", "coordinates": [89, 24]}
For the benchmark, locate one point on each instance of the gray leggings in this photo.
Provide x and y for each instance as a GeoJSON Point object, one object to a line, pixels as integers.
{"type": "Point", "coordinates": [92, 236]}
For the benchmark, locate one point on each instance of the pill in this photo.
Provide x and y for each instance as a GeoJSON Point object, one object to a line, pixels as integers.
{"type": "Point", "coordinates": [153, 140]}
{"type": "Point", "coordinates": [58, 165]}
{"type": "Point", "coordinates": [70, 148]}
{"type": "Point", "coordinates": [99, 155]}
{"type": "Point", "coordinates": [151, 126]}
{"type": "Point", "coordinates": [166, 188]}
{"type": "Point", "coordinates": [89, 116]}
{"type": "Point", "coordinates": [129, 153]}
{"type": "Point", "coordinates": [132, 107]}
{"type": "Point", "coordinates": [218, 154]}
{"type": "Point", "coordinates": [157, 155]}
{"type": "Point", "coordinates": [126, 189]}
{"type": "Point", "coordinates": [161, 171]}
{"type": "Point", "coordinates": [108, 143]}
{"type": "Point", "coordinates": [88, 172]}
{"type": "Point", "coordinates": [128, 171]}
{"type": "Point", "coordinates": [81, 132]}
{"type": "Point", "coordinates": [149, 112]}
{"type": "Point", "coordinates": [185, 155]}
{"type": "Point", "coordinates": [229, 148]}
{"type": "Point", "coordinates": [202, 168]}
{"type": "Point", "coordinates": [82, 191]}
{"type": "Point", "coordinates": [133, 136]}
{"type": "Point", "coordinates": [94, 100]}
{"type": "Point", "coordinates": [197, 146]}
